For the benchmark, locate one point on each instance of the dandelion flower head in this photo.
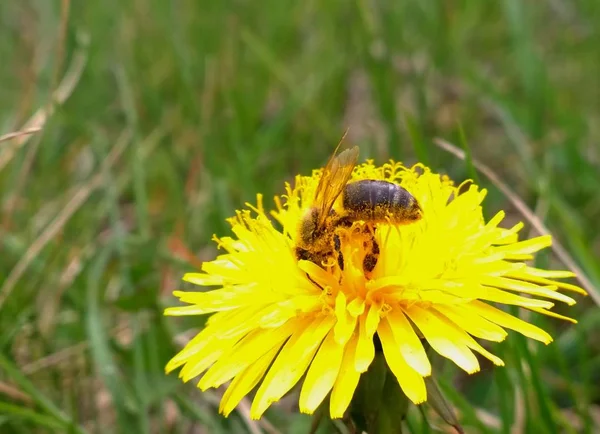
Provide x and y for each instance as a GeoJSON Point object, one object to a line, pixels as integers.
{"type": "Point", "coordinates": [276, 319]}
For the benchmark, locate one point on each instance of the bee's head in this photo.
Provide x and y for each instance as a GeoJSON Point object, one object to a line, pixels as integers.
{"type": "Point", "coordinates": [308, 226]}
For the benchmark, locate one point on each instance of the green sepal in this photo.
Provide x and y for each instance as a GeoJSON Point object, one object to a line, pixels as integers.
{"type": "Point", "coordinates": [379, 405]}
{"type": "Point", "coordinates": [440, 405]}
{"type": "Point", "coordinates": [437, 400]}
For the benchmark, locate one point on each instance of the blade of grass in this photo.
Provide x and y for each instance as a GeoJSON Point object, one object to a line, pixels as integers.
{"type": "Point", "coordinates": [16, 134]}
{"type": "Point", "coordinates": [38, 397]}
{"type": "Point", "coordinates": [193, 411]}
{"type": "Point", "coordinates": [78, 199]}
{"type": "Point", "coordinates": [60, 95]}
{"type": "Point", "coordinates": [505, 398]}
{"type": "Point", "coordinates": [379, 62]}
{"type": "Point", "coordinates": [467, 152]}
{"type": "Point", "coordinates": [416, 139]}
{"type": "Point", "coordinates": [14, 411]}
{"type": "Point", "coordinates": [281, 73]}
{"type": "Point", "coordinates": [468, 415]}
{"type": "Point", "coordinates": [546, 416]}
{"type": "Point", "coordinates": [139, 174]}
{"type": "Point", "coordinates": [99, 341]}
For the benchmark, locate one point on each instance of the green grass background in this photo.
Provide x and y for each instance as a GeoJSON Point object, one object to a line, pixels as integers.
{"type": "Point", "coordinates": [186, 109]}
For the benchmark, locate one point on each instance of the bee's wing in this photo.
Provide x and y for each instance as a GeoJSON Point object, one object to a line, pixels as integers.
{"type": "Point", "coordinates": [335, 176]}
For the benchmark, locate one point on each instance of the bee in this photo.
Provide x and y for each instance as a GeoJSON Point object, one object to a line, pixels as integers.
{"type": "Point", "coordinates": [370, 201]}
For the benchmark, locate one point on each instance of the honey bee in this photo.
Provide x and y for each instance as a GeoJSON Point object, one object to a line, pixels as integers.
{"type": "Point", "coordinates": [370, 201]}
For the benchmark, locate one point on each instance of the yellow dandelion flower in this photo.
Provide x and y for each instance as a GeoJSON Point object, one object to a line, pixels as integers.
{"type": "Point", "coordinates": [276, 319]}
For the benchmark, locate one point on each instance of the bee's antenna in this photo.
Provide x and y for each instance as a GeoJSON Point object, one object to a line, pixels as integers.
{"type": "Point", "coordinates": [345, 134]}
{"type": "Point", "coordinates": [341, 141]}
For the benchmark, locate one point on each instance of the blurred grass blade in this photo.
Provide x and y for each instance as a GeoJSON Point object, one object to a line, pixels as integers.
{"type": "Point", "coordinates": [14, 411]}
{"type": "Point", "coordinates": [283, 74]}
{"type": "Point", "coordinates": [468, 415]}
{"type": "Point", "coordinates": [191, 410]}
{"type": "Point", "coordinates": [99, 341]}
{"type": "Point", "coordinates": [505, 399]}
{"type": "Point", "coordinates": [416, 139]}
{"type": "Point", "coordinates": [535, 394]}
{"type": "Point", "coordinates": [57, 415]}
{"type": "Point", "coordinates": [468, 157]}
{"type": "Point", "coordinates": [16, 134]}
{"type": "Point", "coordinates": [77, 200]}
{"type": "Point", "coordinates": [128, 103]}
{"type": "Point", "coordinates": [64, 90]}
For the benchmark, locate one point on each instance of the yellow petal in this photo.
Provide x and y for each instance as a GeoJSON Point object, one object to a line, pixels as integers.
{"type": "Point", "coordinates": [518, 257]}
{"type": "Point", "coordinates": [544, 281]}
{"type": "Point", "coordinates": [365, 350]}
{"type": "Point", "coordinates": [245, 320]}
{"type": "Point", "coordinates": [410, 381]}
{"type": "Point", "coordinates": [189, 310]}
{"type": "Point", "coordinates": [548, 274]}
{"type": "Point", "coordinates": [276, 314]}
{"type": "Point", "coordinates": [245, 382]}
{"type": "Point", "coordinates": [247, 351]}
{"type": "Point", "coordinates": [525, 247]}
{"type": "Point", "coordinates": [223, 266]}
{"type": "Point", "coordinates": [493, 267]}
{"type": "Point", "coordinates": [203, 279]}
{"type": "Point", "coordinates": [198, 364]}
{"type": "Point", "coordinates": [506, 236]}
{"type": "Point", "coordinates": [508, 321]}
{"type": "Point", "coordinates": [555, 315]}
{"type": "Point", "coordinates": [475, 346]}
{"type": "Point", "coordinates": [346, 323]}
{"type": "Point", "coordinates": [316, 273]}
{"type": "Point", "coordinates": [346, 381]}
{"type": "Point", "coordinates": [443, 339]}
{"type": "Point", "coordinates": [291, 363]}
{"type": "Point", "coordinates": [193, 347]}
{"type": "Point", "coordinates": [461, 336]}
{"type": "Point", "coordinates": [473, 323]}
{"type": "Point", "coordinates": [408, 342]}
{"type": "Point", "coordinates": [322, 374]}
{"type": "Point", "coordinates": [526, 288]}
{"type": "Point", "coordinates": [495, 221]}
{"type": "Point", "coordinates": [356, 307]}
{"type": "Point", "coordinates": [490, 293]}
{"type": "Point", "coordinates": [385, 282]}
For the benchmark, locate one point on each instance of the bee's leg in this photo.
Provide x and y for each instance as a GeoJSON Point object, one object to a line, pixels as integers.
{"type": "Point", "coordinates": [315, 283]}
{"type": "Point", "coordinates": [369, 228]}
{"type": "Point", "coordinates": [371, 258]}
{"type": "Point", "coordinates": [337, 243]}
{"type": "Point", "coordinates": [303, 254]}
{"type": "Point", "coordinates": [343, 221]}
